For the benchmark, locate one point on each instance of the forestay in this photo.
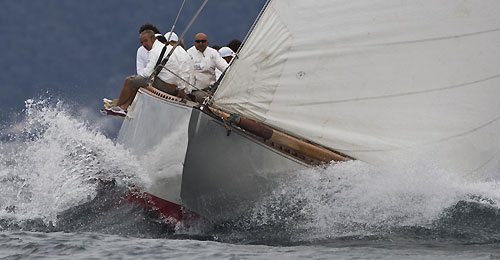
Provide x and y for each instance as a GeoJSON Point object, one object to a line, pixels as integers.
{"type": "Point", "coordinates": [378, 80]}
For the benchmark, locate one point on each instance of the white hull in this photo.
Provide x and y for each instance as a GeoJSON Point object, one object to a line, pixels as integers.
{"type": "Point", "coordinates": [155, 130]}
{"type": "Point", "coordinates": [217, 175]}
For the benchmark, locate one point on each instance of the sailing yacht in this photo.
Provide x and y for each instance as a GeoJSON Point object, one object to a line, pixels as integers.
{"type": "Point", "coordinates": [331, 80]}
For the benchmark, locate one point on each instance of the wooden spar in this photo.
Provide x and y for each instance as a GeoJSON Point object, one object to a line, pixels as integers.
{"type": "Point", "coordinates": [278, 137]}
{"type": "Point", "coordinates": [308, 149]}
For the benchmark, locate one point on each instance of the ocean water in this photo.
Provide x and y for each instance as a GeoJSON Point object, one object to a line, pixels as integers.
{"type": "Point", "coordinates": [53, 207]}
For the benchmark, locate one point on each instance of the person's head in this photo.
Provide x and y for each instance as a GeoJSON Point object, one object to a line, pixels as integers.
{"type": "Point", "coordinates": [215, 47]}
{"type": "Point", "coordinates": [147, 39]}
{"type": "Point", "coordinates": [171, 37]}
{"type": "Point", "coordinates": [226, 53]}
{"type": "Point", "coordinates": [234, 45]}
{"type": "Point", "coordinates": [148, 26]}
{"type": "Point", "coordinates": [201, 42]}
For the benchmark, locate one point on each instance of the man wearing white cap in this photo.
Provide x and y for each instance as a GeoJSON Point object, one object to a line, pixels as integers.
{"type": "Point", "coordinates": [171, 37]}
{"type": "Point", "coordinates": [205, 61]}
{"type": "Point", "coordinates": [227, 54]}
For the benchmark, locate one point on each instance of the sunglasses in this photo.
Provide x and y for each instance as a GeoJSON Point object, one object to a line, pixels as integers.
{"type": "Point", "coordinates": [202, 41]}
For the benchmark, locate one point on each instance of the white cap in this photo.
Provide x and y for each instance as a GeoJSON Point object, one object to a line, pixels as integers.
{"type": "Point", "coordinates": [172, 38]}
{"type": "Point", "coordinates": [226, 52]}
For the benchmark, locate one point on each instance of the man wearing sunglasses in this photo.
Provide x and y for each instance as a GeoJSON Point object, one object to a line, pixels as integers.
{"type": "Point", "coordinates": [205, 61]}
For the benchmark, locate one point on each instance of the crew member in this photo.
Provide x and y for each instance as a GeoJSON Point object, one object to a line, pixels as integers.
{"type": "Point", "coordinates": [205, 61]}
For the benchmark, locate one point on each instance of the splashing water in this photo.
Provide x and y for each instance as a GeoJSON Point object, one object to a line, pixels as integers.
{"type": "Point", "coordinates": [49, 161]}
{"type": "Point", "coordinates": [357, 200]}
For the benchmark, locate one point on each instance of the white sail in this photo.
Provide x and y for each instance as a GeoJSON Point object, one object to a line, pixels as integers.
{"type": "Point", "coordinates": [376, 79]}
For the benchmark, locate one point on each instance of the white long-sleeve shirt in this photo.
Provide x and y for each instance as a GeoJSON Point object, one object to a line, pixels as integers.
{"type": "Point", "coordinates": [205, 64]}
{"type": "Point", "coordinates": [218, 73]}
{"type": "Point", "coordinates": [176, 63]}
{"type": "Point", "coordinates": [188, 63]}
{"type": "Point", "coordinates": [142, 58]}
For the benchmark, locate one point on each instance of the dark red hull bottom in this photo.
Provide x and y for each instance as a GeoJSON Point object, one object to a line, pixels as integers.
{"type": "Point", "coordinates": [169, 212]}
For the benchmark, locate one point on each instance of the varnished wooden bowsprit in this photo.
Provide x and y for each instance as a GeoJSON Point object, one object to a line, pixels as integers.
{"type": "Point", "coordinates": [299, 146]}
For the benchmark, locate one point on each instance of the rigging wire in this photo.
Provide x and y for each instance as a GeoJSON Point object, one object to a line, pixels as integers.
{"type": "Point", "coordinates": [176, 19]}
{"type": "Point", "coordinates": [165, 60]}
{"type": "Point", "coordinates": [216, 84]}
{"type": "Point", "coordinates": [168, 40]}
{"type": "Point", "coordinates": [185, 81]}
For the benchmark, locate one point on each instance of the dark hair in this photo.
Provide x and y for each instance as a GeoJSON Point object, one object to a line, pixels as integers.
{"type": "Point", "coordinates": [217, 47]}
{"type": "Point", "coordinates": [234, 45]}
{"type": "Point", "coordinates": [149, 26]}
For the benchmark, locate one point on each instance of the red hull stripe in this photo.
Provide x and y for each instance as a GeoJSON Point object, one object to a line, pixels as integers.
{"type": "Point", "coordinates": [168, 210]}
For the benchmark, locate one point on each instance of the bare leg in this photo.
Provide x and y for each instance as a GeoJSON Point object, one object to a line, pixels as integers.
{"type": "Point", "coordinates": [131, 99]}
{"type": "Point", "coordinates": [126, 95]}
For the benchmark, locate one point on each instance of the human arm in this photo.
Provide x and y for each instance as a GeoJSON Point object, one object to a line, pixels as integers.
{"type": "Point", "coordinates": [153, 56]}
{"type": "Point", "coordinates": [220, 63]}
{"type": "Point", "coordinates": [141, 59]}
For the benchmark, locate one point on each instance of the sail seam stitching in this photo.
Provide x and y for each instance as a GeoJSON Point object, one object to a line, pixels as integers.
{"type": "Point", "coordinates": [409, 93]}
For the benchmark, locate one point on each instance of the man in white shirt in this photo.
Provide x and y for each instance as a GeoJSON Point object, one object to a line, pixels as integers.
{"type": "Point", "coordinates": [142, 53]}
{"type": "Point", "coordinates": [205, 61]}
{"type": "Point", "coordinates": [167, 80]}
{"type": "Point", "coordinates": [227, 54]}
{"type": "Point", "coordinates": [173, 39]}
